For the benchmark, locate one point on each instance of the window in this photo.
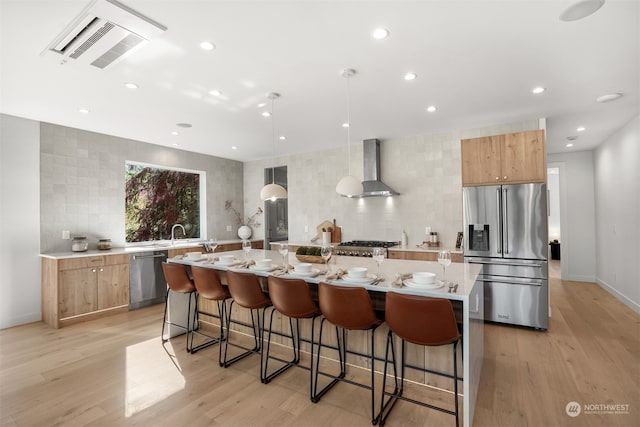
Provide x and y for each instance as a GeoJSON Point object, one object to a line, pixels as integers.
{"type": "Point", "coordinates": [158, 197]}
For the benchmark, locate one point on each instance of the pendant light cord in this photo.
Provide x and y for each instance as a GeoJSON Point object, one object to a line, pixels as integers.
{"type": "Point", "coordinates": [273, 142]}
{"type": "Point", "coordinates": [348, 126]}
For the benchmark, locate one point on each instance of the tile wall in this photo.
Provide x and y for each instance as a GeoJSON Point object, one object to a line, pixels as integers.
{"type": "Point", "coordinates": [82, 184]}
{"type": "Point", "coordinates": [424, 169]}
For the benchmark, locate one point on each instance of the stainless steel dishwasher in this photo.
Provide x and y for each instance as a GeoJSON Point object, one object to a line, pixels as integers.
{"type": "Point", "coordinates": [147, 285]}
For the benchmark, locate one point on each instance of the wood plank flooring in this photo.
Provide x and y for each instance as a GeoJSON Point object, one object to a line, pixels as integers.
{"type": "Point", "coordinates": [115, 371]}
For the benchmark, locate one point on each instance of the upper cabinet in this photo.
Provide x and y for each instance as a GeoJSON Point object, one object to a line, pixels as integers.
{"type": "Point", "coordinates": [504, 159]}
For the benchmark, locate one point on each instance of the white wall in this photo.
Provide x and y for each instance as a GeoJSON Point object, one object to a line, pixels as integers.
{"type": "Point", "coordinates": [553, 185]}
{"type": "Point", "coordinates": [617, 190]}
{"type": "Point", "coordinates": [19, 221]}
{"type": "Point", "coordinates": [577, 206]}
{"type": "Point", "coordinates": [424, 169]}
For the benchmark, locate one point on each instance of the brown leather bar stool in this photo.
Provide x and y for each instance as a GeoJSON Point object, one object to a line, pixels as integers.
{"type": "Point", "coordinates": [246, 291]}
{"type": "Point", "coordinates": [179, 282]}
{"type": "Point", "coordinates": [422, 321]}
{"type": "Point", "coordinates": [209, 287]}
{"type": "Point", "coordinates": [291, 298]}
{"type": "Point", "coordinates": [347, 308]}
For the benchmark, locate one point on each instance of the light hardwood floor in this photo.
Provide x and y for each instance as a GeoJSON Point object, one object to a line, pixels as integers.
{"type": "Point", "coordinates": [115, 371]}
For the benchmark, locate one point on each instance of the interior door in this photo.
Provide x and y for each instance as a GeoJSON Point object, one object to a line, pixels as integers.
{"type": "Point", "coordinates": [276, 212]}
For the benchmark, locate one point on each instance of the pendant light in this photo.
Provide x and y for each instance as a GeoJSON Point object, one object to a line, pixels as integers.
{"type": "Point", "coordinates": [273, 191]}
{"type": "Point", "coordinates": [349, 185]}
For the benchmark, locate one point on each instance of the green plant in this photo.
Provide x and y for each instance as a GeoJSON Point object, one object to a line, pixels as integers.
{"type": "Point", "coordinates": [251, 220]}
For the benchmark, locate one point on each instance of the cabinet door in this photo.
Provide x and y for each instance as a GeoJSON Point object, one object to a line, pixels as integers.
{"type": "Point", "coordinates": [523, 157]}
{"type": "Point", "coordinates": [481, 160]}
{"type": "Point", "coordinates": [113, 286]}
{"type": "Point", "coordinates": [77, 291]}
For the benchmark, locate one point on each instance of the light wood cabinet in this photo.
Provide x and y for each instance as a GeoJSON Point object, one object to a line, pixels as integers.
{"type": "Point", "coordinates": [81, 288]}
{"type": "Point", "coordinates": [421, 256]}
{"type": "Point", "coordinates": [504, 159]}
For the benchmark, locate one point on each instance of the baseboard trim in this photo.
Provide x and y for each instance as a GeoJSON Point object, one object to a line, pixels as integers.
{"type": "Point", "coordinates": [21, 320]}
{"type": "Point", "coordinates": [620, 296]}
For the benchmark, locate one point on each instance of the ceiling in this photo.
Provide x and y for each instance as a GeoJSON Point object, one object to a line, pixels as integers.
{"type": "Point", "coordinates": [476, 61]}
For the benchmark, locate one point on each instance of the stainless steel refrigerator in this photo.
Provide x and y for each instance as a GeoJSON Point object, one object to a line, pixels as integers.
{"type": "Point", "coordinates": [505, 230]}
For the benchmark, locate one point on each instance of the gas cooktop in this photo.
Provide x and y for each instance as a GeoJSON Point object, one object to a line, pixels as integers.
{"type": "Point", "coordinates": [362, 247]}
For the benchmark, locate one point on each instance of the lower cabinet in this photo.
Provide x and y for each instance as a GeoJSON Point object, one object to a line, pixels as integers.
{"type": "Point", "coordinates": [81, 288]}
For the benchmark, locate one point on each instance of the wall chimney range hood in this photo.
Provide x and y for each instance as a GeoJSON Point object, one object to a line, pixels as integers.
{"type": "Point", "coordinates": [373, 185]}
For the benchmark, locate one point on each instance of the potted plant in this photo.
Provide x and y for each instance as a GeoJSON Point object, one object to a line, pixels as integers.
{"type": "Point", "coordinates": [245, 226]}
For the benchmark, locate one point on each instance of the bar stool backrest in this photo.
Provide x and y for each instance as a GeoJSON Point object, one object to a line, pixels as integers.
{"type": "Point", "coordinates": [177, 278]}
{"type": "Point", "coordinates": [421, 320]}
{"type": "Point", "coordinates": [291, 297]}
{"type": "Point", "coordinates": [208, 284]}
{"type": "Point", "coordinates": [348, 307]}
{"type": "Point", "coordinates": [245, 290]}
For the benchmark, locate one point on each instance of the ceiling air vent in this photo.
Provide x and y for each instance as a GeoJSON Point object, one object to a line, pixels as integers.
{"type": "Point", "coordinates": [104, 32]}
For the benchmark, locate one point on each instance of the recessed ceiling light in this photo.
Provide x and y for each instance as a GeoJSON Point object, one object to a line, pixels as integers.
{"type": "Point", "coordinates": [266, 114]}
{"type": "Point", "coordinates": [345, 125]}
{"type": "Point", "coordinates": [175, 133]}
{"type": "Point", "coordinates": [207, 45]}
{"type": "Point", "coordinates": [410, 76]}
{"type": "Point", "coordinates": [431, 108]}
{"type": "Point", "coordinates": [130, 85]}
{"type": "Point", "coordinates": [569, 145]}
{"type": "Point", "coordinates": [609, 97]}
{"type": "Point", "coordinates": [581, 129]}
{"type": "Point", "coordinates": [580, 10]}
{"type": "Point", "coordinates": [234, 148]}
{"type": "Point", "coordinates": [262, 104]}
{"type": "Point", "coordinates": [175, 144]}
{"type": "Point", "coordinates": [83, 111]}
{"type": "Point", "coordinates": [215, 92]}
{"type": "Point", "coordinates": [538, 90]}
{"type": "Point", "coordinates": [184, 125]}
{"type": "Point", "coordinates": [282, 138]}
{"type": "Point", "coordinates": [380, 33]}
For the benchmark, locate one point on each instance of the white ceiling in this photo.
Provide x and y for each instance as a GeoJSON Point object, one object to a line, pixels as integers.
{"type": "Point", "coordinates": [477, 61]}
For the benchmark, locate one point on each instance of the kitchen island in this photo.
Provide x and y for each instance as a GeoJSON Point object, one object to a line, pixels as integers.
{"type": "Point", "coordinates": [468, 300]}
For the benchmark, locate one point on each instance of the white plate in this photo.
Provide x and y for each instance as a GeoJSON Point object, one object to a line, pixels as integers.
{"type": "Point", "coordinates": [313, 273]}
{"type": "Point", "coordinates": [270, 268]}
{"type": "Point", "coordinates": [411, 284]}
{"type": "Point", "coordinates": [370, 278]}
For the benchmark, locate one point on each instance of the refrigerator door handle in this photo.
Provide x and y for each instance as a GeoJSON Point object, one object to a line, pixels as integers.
{"type": "Point", "coordinates": [505, 203]}
{"type": "Point", "coordinates": [511, 264]}
{"type": "Point", "coordinates": [499, 210]}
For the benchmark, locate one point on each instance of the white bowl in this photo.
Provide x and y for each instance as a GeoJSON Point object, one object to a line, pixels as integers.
{"type": "Point", "coordinates": [303, 267]}
{"type": "Point", "coordinates": [194, 255]}
{"type": "Point", "coordinates": [357, 272]}
{"type": "Point", "coordinates": [423, 277]}
{"type": "Point", "coordinates": [227, 258]}
{"type": "Point", "coordinates": [263, 263]}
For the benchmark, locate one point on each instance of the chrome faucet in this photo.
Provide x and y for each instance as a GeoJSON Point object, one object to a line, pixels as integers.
{"type": "Point", "coordinates": [174, 228]}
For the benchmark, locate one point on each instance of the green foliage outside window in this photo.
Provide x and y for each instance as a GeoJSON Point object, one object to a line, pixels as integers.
{"type": "Point", "coordinates": [156, 199]}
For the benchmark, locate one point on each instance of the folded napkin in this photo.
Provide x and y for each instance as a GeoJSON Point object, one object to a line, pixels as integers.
{"type": "Point", "coordinates": [212, 260]}
{"type": "Point", "coordinates": [178, 257]}
{"type": "Point", "coordinates": [337, 275]}
{"type": "Point", "coordinates": [246, 264]}
{"type": "Point", "coordinates": [281, 271]}
{"type": "Point", "coordinates": [401, 277]}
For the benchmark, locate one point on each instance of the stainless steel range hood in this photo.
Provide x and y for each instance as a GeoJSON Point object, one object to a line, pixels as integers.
{"type": "Point", "coordinates": [373, 185]}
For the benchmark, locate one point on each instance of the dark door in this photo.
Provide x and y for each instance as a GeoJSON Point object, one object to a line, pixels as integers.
{"type": "Point", "coordinates": [276, 212]}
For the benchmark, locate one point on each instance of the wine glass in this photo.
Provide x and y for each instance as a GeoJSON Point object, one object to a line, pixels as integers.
{"type": "Point", "coordinates": [246, 247]}
{"type": "Point", "coordinates": [325, 252]}
{"type": "Point", "coordinates": [378, 255]}
{"type": "Point", "coordinates": [284, 250]}
{"type": "Point", "coordinates": [444, 259]}
{"type": "Point", "coordinates": [213, 244]}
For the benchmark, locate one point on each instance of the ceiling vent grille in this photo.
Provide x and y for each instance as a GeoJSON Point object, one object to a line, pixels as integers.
{"type": "Point", "coordinates": [104, 32]}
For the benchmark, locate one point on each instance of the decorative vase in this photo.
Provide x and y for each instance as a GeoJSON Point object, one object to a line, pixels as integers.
{"type": "Point", "coordinates": [244, 232]}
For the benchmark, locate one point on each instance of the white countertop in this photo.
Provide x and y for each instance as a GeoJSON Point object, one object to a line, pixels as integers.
{"type": "Point", "coordinates": [134, 249]}
{"type": "Point", "coordinates": [399, 248]}
{"type": "Point", "coordinates": [463, 274]}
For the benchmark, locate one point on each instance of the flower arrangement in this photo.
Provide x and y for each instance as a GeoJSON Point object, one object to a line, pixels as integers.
{"type": "Point", "coordinates": [251, 220]}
